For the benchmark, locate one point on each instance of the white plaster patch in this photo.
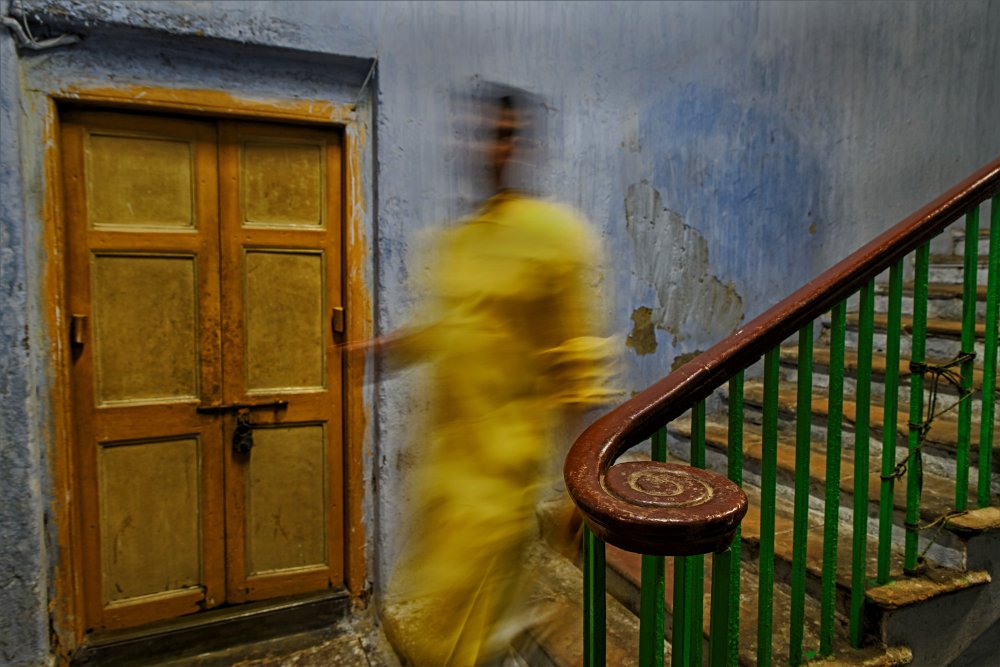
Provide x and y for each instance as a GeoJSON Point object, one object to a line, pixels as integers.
{"type": "Point", "coordinates": [673, 258]}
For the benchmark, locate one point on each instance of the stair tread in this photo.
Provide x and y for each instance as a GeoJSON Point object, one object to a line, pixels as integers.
{"type": "Point", "coordinates": [936, 290]}
{"type": "Point", "coordinates": [628, 565]}
{"type": "Point", "coordinates": [929, 584]}
{"type": "Point", "coordinates": [901, 591]}
{"type": "Point", "coordinates": [951, 259]}
{"type": "Point", "coordinates": [557, 588]}
{"type": "Point", "coordinates": [943, 430]}
{"type": "Point", "coordinates": [976, 522]}
{"type": "Point", "coordinates": [934, 325]}
{"type": "Point", "coordinates": [937, 494]}
{"type": "Point", "coordinates": [783, 536]}
{"type": "Point", "coordinates": [868, 656]}
{"type": "Point", "coordinates": [783, 531]}
{"type": "Point", "coordinates": [821, 358]}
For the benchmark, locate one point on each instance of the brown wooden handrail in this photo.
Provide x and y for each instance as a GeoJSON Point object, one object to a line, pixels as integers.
{"type": "Point", "coordinates": [650, 529]}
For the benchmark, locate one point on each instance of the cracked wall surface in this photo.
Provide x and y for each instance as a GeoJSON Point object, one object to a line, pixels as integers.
{"type": "Point", "coordinates": [672, 258]}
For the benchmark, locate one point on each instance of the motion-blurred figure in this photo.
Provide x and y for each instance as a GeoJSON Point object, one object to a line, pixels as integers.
{"type": "Point", "coordinates": [508, 332]}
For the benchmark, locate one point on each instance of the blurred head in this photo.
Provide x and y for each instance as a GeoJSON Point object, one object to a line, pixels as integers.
{"type": "Point", "coordinates": [505, 138]}
{"type": "Point", "coordinates": [497, 129]}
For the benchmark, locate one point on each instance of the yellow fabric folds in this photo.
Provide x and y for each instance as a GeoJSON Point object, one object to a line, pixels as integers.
{"type": "Point", "coordinates": [509, 336]}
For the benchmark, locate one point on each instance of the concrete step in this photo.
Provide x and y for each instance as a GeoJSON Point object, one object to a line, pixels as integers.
{"type": "Point", "coordinates": [944, 300]}
{"type": "Point", "coordinates": [943, 341]}
{"type": "Point", "coordinates": [950, 269]}
{"type": "Point", "coordinates": [940, 442]}
{"type": "Point", "coordinates": [885, 604]}
{"type": "Point", "coordinates": [821, 369]}
{"type": "Point", "coordinates": [942, 551]}
{"type": "Point", "coordinates": [936, 499]}
{"type": "Point", "coordinates": [958, 236]}
{"type": "Point", "coordinates": [356, 643]}
{"type": "Point", "coordinates": [965, 620]}
{"type": "Point", "coordinates": [557, 639]}
{"type": "Point", "coordinates": [624, 581]}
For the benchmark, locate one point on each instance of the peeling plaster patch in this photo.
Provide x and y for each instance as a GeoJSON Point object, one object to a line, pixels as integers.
{"type": "Point", "coordinates": [673, 258]}
{"type": "Point", "coordinates": [682, 359]}
{"type": "Point", "coordinates": [643, 337]}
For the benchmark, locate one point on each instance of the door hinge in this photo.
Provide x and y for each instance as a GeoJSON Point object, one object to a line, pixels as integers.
{"type": "Point", "coordinates": [77, 330]}
{"type": "Point", "coordinates": [338, 320]}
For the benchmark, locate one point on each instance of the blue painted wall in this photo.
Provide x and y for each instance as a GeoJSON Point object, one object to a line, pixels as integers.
{"type": "Point", "coordinates": [725, 151]}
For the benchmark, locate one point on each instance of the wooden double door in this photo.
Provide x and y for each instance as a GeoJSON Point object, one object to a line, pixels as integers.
{"type": "Point", "coordinates": [204, 293]}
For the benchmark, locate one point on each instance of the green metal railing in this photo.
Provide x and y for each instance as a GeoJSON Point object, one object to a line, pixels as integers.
{"type": "Point", "coordinates": [649, 415]}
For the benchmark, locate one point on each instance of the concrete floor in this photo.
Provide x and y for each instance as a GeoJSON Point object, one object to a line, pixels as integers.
{"type": "Point", "coordinates": [355, 643]}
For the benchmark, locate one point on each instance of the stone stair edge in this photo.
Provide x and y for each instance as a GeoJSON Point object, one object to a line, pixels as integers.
{"type": "Point", "coordinates": [943, 435]}
{"type": "Point", "coordinates": [558, 638]}
{"type": "Point", "coordinates": [627, 566]}
{"type": "Point", "coordinates": [934, 484]}
{"type": "Point", "coordinates": [822, 353]}
{"type": "Point", "coordinates": [936, 290]}
{"type": "Point", "coordinates": [953, 259]}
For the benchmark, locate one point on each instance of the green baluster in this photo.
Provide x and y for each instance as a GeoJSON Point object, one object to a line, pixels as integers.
{"type": "Point", "coordinates": [890, 406]}
{"type": "Point", "coordinates": [696, 564]}
{"type": "Point", "coordinates": [990, 359]}
{"type": "Point", "coordinates": [718, 644]}
{"type": "Point", "coordinates": [800, 520]}
{"type": "Point", "coordinates": [831, 518]}
{"type": "Point", "coordinates": [734, 450]}
{"type": "Point", "coordinates": [859, 542]}
{"type": "Point", "coordinates": [914, 473]}
{"type": "Point", "coordinates": [680, 635]}
{"type": "Point", "coordinates": [594, 610]}
{"type": "Point", "coordinates": [768, 484]}
{"type": "Point", "coordinates": [651, 593]}
{"type": "Point", "coordinates": [968, 347]}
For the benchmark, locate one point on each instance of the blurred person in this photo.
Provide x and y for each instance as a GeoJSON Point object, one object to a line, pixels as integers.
{"type": "Point", "coordinates": [508, 333]}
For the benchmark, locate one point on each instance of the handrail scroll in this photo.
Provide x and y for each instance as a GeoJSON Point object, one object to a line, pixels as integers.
{"type": "Point", "coordinates": [629, 523]}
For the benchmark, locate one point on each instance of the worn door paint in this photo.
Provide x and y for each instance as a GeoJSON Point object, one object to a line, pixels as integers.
{"type": "Point", "coordinates": [281, 265]}
{"type": "Point", "coordinates": [204, 261]}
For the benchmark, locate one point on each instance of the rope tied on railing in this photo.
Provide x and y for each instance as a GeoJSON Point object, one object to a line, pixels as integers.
{"type": "Point", "coordinates": [939, 371]}
{"type": "Point", "coordinates": [940, 522]}
{"type": "Point", "coordinates": [923, 428]}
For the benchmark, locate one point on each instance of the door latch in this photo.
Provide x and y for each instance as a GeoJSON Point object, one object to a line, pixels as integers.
{"type": "Point", "coordinates": [243, 432]}
{"type": "Point", "coordinates": [242, 407]}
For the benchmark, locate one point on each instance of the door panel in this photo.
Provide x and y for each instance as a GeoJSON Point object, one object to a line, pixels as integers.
{"type": "Point", "coordinates": [287, 524]}
{"type": "Point", "coordinates": [150, 542]}
{"type": "Point", "coordinates": [145, 311]}
{"type": "Point", "coordinates": [284, 320]}
{"type": "Point", "coordinates": [152, 177]}
{"type": "Point", "coordinates": [204, 261]}
{"type": "Point", "coordinates": [283, 181]}
{"type": "Point", "coordinates": [281, 255]}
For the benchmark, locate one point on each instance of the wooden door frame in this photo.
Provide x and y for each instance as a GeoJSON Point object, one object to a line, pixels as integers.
{"type": "Point", "coordinates": [66, 592]}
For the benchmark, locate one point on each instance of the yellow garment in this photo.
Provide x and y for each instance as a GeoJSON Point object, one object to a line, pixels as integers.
{"type": "Point", "coordinates": [508, 337]}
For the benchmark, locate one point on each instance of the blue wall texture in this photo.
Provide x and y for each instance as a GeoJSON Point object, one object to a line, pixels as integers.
{"type": "Point", "coordinates": [726, 152]}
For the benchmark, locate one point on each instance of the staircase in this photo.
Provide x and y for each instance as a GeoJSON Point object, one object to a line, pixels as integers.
{"type": "Point", "coordinates": [947, 610]}
{"type": "Point", "coordinates": [957, 565]}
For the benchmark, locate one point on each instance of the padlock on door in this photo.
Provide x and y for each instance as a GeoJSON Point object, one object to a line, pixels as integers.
{"type": "Point", "coordinates": [243, 434]}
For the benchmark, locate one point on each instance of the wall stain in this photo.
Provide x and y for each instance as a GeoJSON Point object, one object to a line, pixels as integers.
{"type": "Point", "coordinates": [672, 258]}
{"type": "Point", "coordinates": [643, 336]}
{"type": "Point", "coordinates": [682, 359]}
